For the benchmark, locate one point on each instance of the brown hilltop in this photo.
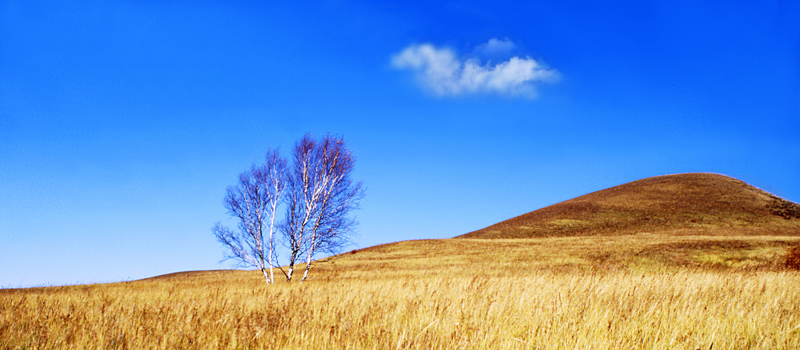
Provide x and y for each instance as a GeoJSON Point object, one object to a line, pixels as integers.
{"type": "Point", "coordinates": [683, 204]}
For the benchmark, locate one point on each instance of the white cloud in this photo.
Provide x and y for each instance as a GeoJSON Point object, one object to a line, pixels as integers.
{"type": "Point", "coordinates": [495, 47]}
{"type": "Point", "coordinates": [443, 73]}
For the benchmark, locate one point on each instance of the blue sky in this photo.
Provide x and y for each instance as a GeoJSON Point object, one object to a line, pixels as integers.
{"type": "Point", "coordinates": [122, 122]}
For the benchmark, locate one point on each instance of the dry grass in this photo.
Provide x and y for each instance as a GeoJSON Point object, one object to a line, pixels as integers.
{"type": "Point", "coordinates": [630, 292]}
{"type": "Point", "coordinates": [793, 258]}
{"type": "Point", "coordinates": [683, 204]}
{"type": "Point", "coordinates": [513, 257]}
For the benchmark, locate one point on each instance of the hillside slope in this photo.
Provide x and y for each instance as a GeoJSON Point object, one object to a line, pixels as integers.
{"type": "Point", "coordinates": [682, 204]}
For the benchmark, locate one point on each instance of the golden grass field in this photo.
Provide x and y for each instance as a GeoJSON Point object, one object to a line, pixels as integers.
{"type": "Point", "coordinates": [615, 292]}
{"type": "Point", "coordinates": [681, 204]}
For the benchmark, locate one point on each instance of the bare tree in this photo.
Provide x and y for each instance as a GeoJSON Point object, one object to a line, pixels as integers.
{"type": "Point", "coordinates": [254, 202]}
{"type": "Point", "coordinates": [320, 196]}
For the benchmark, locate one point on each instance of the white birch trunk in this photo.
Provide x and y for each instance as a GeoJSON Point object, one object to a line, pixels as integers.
{"type": "Point", "coordinates": [266, 277]}
{"type": "Point", "coordinates": [308, 259]}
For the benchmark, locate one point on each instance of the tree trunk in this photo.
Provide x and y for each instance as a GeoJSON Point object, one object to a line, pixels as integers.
{"type": "Point", "coordinates": [305, 273]}
{"type": "Point", "coordinates": [271, 274]}
{"type": "Point", "coordinates": [308, 264]}
{"type": "Point", "coordinates": [271, 252]}
{"type": "Point", "coordinates": [266, 277]}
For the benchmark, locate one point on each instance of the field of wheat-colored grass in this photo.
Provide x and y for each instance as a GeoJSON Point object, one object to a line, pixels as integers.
{"type": "Point", "coordinates": [634, 292]}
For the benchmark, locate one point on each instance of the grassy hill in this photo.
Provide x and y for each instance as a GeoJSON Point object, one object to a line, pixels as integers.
{"type": "Point", "coordinates": [683, 204]}
{"type": "Point", "coordinates": [693, 261]}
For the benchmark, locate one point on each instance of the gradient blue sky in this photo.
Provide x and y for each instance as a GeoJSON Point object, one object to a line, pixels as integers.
{"type": "Point", "coordinates": [122, 122]}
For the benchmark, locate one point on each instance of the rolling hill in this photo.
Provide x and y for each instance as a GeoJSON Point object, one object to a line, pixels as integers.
{"type": "Point", "coordinates": [682, 204]}
{"type": "Point", "coordinates": [692, 261]}
{"type": "Point", "coordinates": [696, 220]}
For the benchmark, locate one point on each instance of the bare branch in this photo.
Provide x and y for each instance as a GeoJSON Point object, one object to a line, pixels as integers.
{"type": "Point", "coordinates": [254, 202]}
{"type": "Point", "coordinates": [321, 196]}
{"type": "Point", "coordinates": [318, 194]}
